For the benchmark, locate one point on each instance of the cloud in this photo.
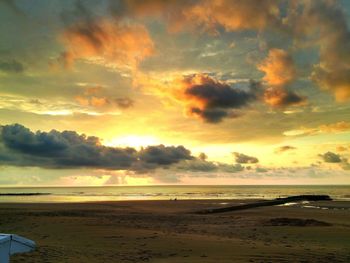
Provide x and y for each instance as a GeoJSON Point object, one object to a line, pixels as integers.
{"type": "Point", "coordinates": [330, 157]}
{"type": "Point", "coordinates": [210, 99]}
{"type": "Point", "coordinates": [341, 126]}
{"type": "Point", "coordinates": [235, 15]}
{"type": "Point", "coordinates": [111, 43]}
{"type": "Point", "coordinates": [278, 67]}
{"type": "Point", "coordinates": [341, 148]}
{"type": "Point", "coordinates": [321, 23]}
{"type": "Point", "coordinates": [57, 107]}
{"type": "Point", "coordinates": [208, 115]}
{"type": "Point", "coordinates": [11, 4]}
{"type": "Point", "coordinates": [124, 103]}
{"type": "Point", "coordinates": [337, 127]}
{"type": "Point", "coordinates": [11, 66]}
{"type": "Point", "coordinates": [242, 158]}
{"type": "Point", "coordinates": [205, 15]}
{"type": "Point", "coordinates": [164, 155]}
{"type": "Point", "coordinates": [284, 148]}
{"type": "Point", "coordinates": [280, 71]}
{"type": "Point", "coordinates": [345, 164]}
{"type": "Point", "coordinates": [261, 170]}
{"type": "Point", "coordinates": [94, 97]}
{"type": "Point", "coordinates": [279, 97]}
{"type": "Point", "coordinates": [67, 149]}
{"type": "Point", "coordinates": [202, 156]}
{"type": "Point", "coordinates": [198, 165]}
{"type": "Point", "coordinates": [324, 24]}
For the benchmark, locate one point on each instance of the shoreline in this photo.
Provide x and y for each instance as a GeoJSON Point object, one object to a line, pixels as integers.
{"type": "Point", "coordinates": [223, 201]}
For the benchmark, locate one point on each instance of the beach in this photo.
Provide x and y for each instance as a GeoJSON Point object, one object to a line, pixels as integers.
{"type": "Point", "coordinates": [172, 231]}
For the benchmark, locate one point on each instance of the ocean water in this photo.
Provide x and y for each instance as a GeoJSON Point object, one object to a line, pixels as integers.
{"type": "Point", "coordinates": [119, 193]}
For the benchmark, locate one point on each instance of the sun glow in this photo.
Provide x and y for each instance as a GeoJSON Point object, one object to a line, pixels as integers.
{"type": "Point", "coordinates": [138, 181]}
{"type": "Point", "coordinates": [136, 141]}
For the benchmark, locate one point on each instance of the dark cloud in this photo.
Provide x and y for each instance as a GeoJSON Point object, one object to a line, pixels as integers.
{"type": "Point", "coordinates": [214, 100]}
{"type": "Point", "coordinates": [21, 147]}
{"type": "Point", "coordinates": [198, 165]}
{"type": "Point", "coordinates": [124, 103]}
{"type": "Point", "coordinates": [261, 170]}
{"type": "Point", "coordinates": [202, 156]}
{"type": "Point", "coordinates": [284, 148]}
{"type": "Point", "coordinates": [219, 95]}
{"type": "Point", "coordinates": [211, 116]}
{"type": "Point", "coordinates": [242, 158]}
{"type": "Point", "coordinates": [11, 66]}
{"type": "Point", "coordinates": [164, 155]}
{"type": "Point", "coordinates": [280, 97]}
{"type": "Point", "coordinates": [330, 157]}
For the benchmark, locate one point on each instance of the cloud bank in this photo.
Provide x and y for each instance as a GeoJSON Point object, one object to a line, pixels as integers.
{"type": "Point", "coordinates": [68, 149]}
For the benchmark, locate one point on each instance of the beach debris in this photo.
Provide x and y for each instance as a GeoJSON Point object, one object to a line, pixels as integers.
{"type": "Point", "coordinates": [11, 244]}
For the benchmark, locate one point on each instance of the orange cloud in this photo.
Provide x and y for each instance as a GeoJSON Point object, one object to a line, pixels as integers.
{"type": "Point", "coordinates": [337, 127]}
{"type": "Point", "coordinates": [94, 97]}
{"type": "Point", "coordinates": [278, 67]}
{"type": "Point", "coordinates": [325, 25]}
{"type": "Point", "coordinates": [341, 126]}
{"type": "Point", "coordinates": [280, 97]}
{"type": "Point", "coordinates": [108, 42]}
{"type": "Point", "coordinates": [234, 15]}
{"type": "Point", "coordinates": [208, 14]}
{"type": "Point", "coordinates": [341, 148]}
{"type": "Point", "coordinates": [280, 71]}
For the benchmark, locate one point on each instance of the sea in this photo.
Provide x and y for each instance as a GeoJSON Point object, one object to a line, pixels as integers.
{"type": "Point", "coordinates": [166, 192]}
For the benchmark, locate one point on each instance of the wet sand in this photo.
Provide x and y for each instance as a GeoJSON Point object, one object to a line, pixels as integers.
{"type": "Point", "coordinates": [170, 231]}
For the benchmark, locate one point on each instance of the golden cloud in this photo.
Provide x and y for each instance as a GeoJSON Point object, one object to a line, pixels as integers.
{"type": "Point", "coordinates": [323, 23]}
{"type": "Point", "coordinates": [278, 67]}
{"type": "Point", "coordinates": [280, 70]}
{"type": "Point", "coordinates": [109, 42]}
{"type": "Point", "coordinates": [234, 15]}
{"type": "Point", "coordinates": [337, 127]}
{"type": "Point", "coordinates": [208, 14]}
{"type": "Point", "coordinates": [95, 97]}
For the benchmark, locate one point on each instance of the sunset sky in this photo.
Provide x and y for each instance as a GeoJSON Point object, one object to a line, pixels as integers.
{"type": "Point", "coordinates": [174, 92]}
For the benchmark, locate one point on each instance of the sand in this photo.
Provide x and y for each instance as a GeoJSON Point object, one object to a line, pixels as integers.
{"type": "Point", "coordinates": [169, 231]}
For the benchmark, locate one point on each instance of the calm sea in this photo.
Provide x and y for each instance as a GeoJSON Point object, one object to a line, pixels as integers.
{"type": "Point", "coordinates": [118, 193]}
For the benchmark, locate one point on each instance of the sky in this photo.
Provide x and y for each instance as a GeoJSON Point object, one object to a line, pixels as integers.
{"type": "Point", "coordinates": [201, 92]}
